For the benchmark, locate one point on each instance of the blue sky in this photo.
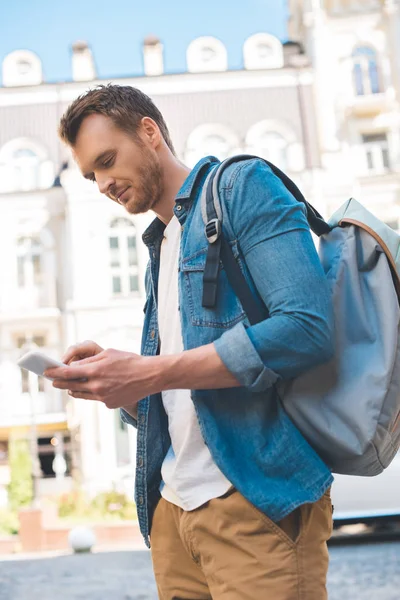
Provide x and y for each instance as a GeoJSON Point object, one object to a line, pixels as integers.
{"type": "Point", "coordinates": [115, 30]}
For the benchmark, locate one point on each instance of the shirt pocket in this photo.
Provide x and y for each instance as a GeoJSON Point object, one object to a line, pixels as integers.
{"type": "Point", "coordinates": [227, 311]}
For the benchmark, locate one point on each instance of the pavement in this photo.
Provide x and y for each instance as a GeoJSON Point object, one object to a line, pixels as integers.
{"type": "Point", "coordinates": [368, 571]}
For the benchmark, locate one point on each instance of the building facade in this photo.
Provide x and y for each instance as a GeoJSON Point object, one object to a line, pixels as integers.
{"type": "Point", "coordinates": [354, 47]}
{"type": "Point", "coordinates": [324, 107]}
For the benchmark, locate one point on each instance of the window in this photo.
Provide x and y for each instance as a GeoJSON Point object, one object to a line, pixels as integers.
{"type": "Point", "coordinates": [29, 262]}
{"type": "Point", "coordinates": [276, 141]}
{"type": "Point", "coordinates": [22, 67]}
{"type": "Point", "coordinates": [206, 54]}
{"type": "Point", "coordinates": [117, 288]}
{"type": "Point", "coordinates": [273, 147]}
{"type": "Point", "coordinates": [50, 447]}
{"type": "Point", "coordinates": [123, 257]}
{"type": "Point", "coordinates": [216, 145]}
{"type": "Point", "coordinates": [262, 51]}
{"type": "Point", "coordinates": [37, 340]}
{"type": "Point", "coordinates": [365, 71]}
{"type": "Point", "coordinates": [376, 150]}
{"type": "Point", "coordinates": [25, 166]}
{"type": "Point", "coordinates": [213, 139]}
{"type": "Point", "coordinates": [25, 163]}
{"type": "Point", "coordinates": [342, 7]}
{"type": "Point", "coordinates": [114, 251]}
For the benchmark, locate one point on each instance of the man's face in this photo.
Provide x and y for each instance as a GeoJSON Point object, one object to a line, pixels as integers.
{"type": "Point", "coordinates": [126, 168]}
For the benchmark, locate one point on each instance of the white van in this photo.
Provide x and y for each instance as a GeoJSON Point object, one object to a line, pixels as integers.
{"type": "Point", "coordinates": [364, 499]}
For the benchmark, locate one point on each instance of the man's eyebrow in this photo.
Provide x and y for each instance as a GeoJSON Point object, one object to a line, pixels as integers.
{"type": "Point", "coordinates": [97, 160]}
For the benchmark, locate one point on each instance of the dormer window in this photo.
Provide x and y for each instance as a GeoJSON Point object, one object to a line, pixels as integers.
{"type": "Point", "coordinates": [206, 54]}
{"type": "Point", "coordinates": [263, 51]}
{"type": "Point", "coordinates": [22, 67]}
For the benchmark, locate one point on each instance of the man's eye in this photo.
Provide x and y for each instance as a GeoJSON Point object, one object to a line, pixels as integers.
{"type": "Point", "coordinates": [108, 163]}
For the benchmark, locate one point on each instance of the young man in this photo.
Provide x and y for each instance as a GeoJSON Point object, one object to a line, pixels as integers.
{"type": "Point", "coordinates": [234, 500]}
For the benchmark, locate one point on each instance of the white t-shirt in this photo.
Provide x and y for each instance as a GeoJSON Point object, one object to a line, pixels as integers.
{"type": "Point", "coordinates": [190, 476]}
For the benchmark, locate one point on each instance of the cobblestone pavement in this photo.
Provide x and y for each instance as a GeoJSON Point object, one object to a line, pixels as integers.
{"type": "Point", "coordinates": [362, 572]}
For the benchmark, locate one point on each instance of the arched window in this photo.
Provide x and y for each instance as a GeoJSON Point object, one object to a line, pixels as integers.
{"type": "Point", "coordinates": [123, 257]}
{"type": "Point", "coordinates": [29, 262]}
{"type": "Point", "coordinates": [210, 139]}
{"type": "Point", "coordinates": [263, 51]}
{"type": "Point", "coordinates": [366, 75]}
{"type": "Point", "coordinates": [22, 67]}
{"type": "Point", "coordinates": [24, 166]}
{"type": "Point", "coordinates": [206, 54]}
{"type": "Point", "coordinates": [277, 142]}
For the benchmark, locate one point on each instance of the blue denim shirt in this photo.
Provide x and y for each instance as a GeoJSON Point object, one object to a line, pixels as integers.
{"type": "Point", "coordinates": [249, 435]}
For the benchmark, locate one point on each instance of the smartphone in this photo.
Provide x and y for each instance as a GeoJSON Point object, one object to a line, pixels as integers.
{"type": "Point", "coordinates": [37, 362]}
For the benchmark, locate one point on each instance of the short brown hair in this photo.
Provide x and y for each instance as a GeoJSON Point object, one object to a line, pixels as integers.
{"type": "Point", "coordinates": [123, 104]}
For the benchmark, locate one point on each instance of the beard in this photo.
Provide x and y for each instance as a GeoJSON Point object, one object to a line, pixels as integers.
{"type": "Point", "coordinates": [149, 184]}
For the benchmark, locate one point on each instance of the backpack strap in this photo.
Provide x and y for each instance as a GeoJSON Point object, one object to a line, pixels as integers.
{"type": "Point", "coordinates": [219, 248]}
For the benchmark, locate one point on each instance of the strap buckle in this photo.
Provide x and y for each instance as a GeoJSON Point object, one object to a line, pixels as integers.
{"type": "Point", "coordinates": [213, 230]}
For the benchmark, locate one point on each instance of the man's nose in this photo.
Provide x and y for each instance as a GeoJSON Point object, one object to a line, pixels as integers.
{"type": "Point", "coordinates": [105, 184]}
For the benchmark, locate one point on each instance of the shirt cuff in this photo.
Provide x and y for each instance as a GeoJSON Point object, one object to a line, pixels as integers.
{"type": "Point", "coordinates": [127, 418]}
{"type": "Point", "coordinates": [238, 354]}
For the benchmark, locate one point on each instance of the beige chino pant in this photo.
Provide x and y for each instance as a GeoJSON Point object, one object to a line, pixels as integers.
{"type": "Point", "coordinates": [228, 550]}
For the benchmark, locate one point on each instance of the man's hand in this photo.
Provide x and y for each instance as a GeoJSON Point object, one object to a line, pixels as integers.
{"type": "Point", "coordinates": [121, 379]}
{"type": "Point", "coordinates": [118, 379]}
{"type": "Point", "coordinates": [80, 351]}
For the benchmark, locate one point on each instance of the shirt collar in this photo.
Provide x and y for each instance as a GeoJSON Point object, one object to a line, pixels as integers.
{"type": "Point", "coordinates": [157, 227]}
{"type": "Point", "coordinates": [187, 188]}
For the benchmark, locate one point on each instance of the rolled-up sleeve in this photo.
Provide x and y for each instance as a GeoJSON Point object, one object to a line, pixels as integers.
{"type": "Point", "coordinates": [282, 262]}
{"type": "Point", "coordinates": [250, 370]}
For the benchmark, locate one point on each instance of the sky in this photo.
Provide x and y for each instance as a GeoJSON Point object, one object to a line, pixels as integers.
{"type": "Point", "coordinates": [115, 30]}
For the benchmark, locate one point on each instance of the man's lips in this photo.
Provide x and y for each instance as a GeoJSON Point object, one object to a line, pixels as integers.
{"type": "Point", "coordinates": [123, 196]}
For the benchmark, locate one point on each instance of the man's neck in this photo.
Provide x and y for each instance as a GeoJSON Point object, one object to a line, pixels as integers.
{"type": "Point", "coordinates": [175, 174]}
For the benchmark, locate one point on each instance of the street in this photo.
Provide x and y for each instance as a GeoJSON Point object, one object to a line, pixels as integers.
{"type": "Point", "coordinates": [357, 572]}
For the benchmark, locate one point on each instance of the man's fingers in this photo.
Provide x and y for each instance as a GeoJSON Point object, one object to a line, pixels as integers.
{"type": "Point", "coordinates": [76, 370]}
{"type": "Point", "coordinates": [88, 360]}
{"type": "Point", "coordinates": [67, 384]}
{"type": "Point", "coordinates": [68, 373]}
{"type": "Point", "coordinates": [81, 351]}
{"type": "Point", "coordinates": [82, 395]}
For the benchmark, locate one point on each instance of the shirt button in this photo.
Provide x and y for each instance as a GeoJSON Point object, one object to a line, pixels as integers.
{"type": "Point", "coordinates": [140, 462]}
{"type": "Point", "coordinates": [141, 500]}
{"type": "Point", "coordinates": [152, 334]}
{"type": "Point", "coordinates": [179, 207]}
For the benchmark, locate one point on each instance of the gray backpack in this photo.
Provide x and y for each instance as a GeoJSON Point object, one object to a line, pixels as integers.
{"type": "Point", "coordinates": [349, 408]}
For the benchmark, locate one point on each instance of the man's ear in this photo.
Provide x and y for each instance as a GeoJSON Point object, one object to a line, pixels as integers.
{"type": "Point", "coordinates": [150, 132]}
